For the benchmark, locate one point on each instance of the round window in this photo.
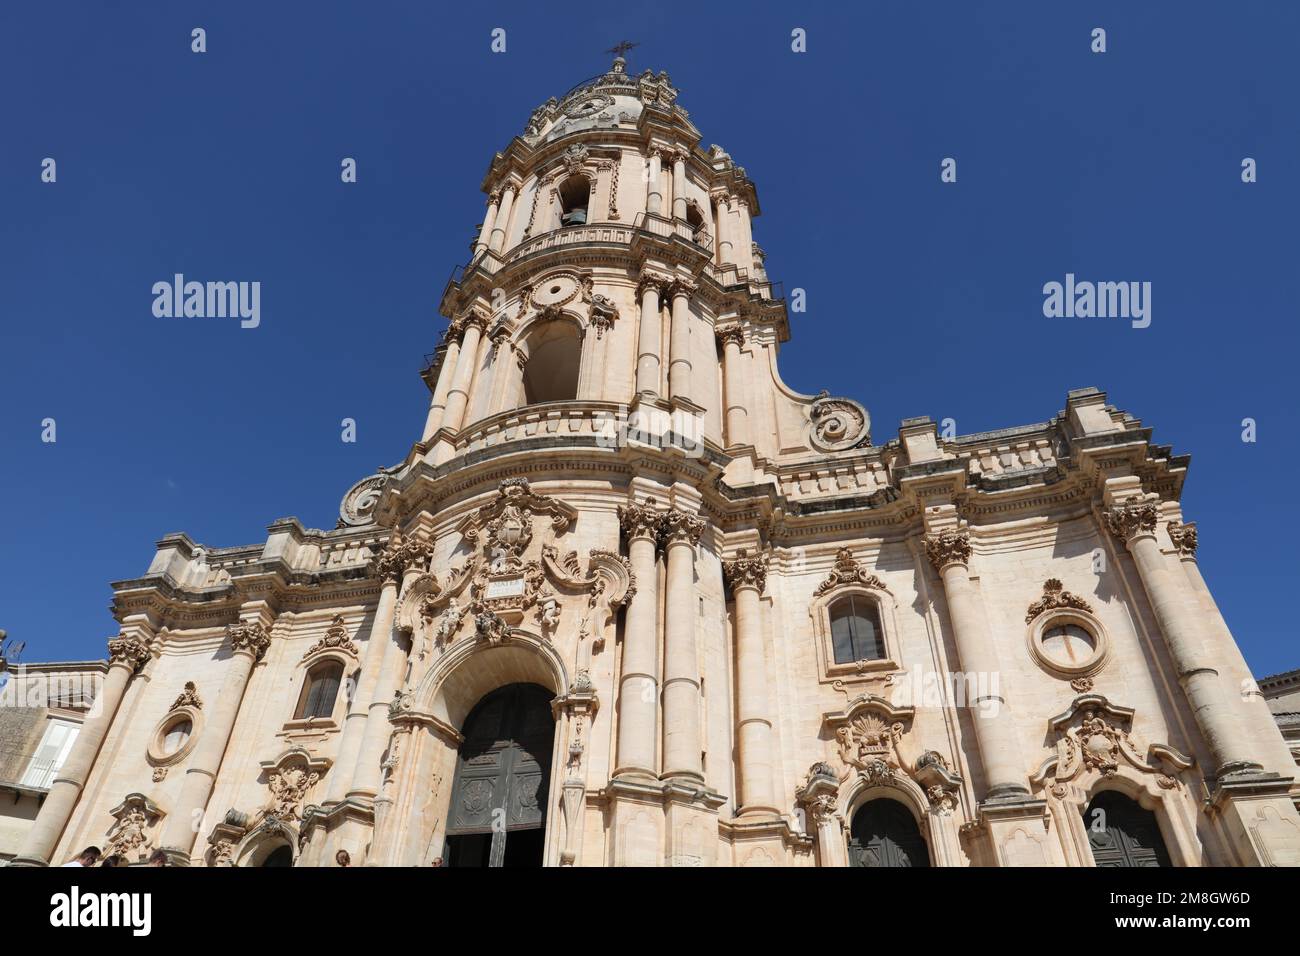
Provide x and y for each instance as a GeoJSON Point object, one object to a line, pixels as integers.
{"type": "Point", "coordinates": [176, 736]}
{"type": "Point", "coordinates": [1068, 644]}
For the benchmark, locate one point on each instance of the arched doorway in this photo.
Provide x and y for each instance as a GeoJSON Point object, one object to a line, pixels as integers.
{"type": "Point", "coordinates": [281, 856]}
{"type": "Point", "coordinates": [1121, 833]}
{"type": "Point", "coordinates": [497, 815]}
{"type": "Point", "coordinates": [884, 833]}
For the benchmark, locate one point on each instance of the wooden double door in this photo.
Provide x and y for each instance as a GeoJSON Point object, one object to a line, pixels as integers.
{"type": "Point", "coordinates": [1121, 833]}
{"type": "Point", "coordinates": [884, 834]}
{"type": "Point", "coordinates": [497, 815]}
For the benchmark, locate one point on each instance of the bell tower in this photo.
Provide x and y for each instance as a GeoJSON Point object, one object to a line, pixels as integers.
{"type": "Point", "coordinates": [614, 278]}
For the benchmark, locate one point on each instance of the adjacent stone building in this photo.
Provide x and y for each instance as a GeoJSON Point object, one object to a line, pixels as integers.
{"type": "Point", "coordinates": [632, 600]}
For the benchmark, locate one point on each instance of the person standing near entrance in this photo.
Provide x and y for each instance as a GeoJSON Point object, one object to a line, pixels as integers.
{"type": "Point", "coordinates": [87, 857]}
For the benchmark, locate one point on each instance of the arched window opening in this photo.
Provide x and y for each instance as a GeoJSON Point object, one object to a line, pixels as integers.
{"type": "Point", "coordinates": [320, 691]}
{"type": "Point", "coordinates": [551, 372]}
{"type": "Point", "coordinates": [575, 196]}
{"type": "Point", "coordinates": [1121, 833]}
{"type": "Point", "coordinates": [855, 630]}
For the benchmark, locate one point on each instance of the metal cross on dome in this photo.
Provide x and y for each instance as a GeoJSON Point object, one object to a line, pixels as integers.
{"type": "Point", "coordinates": [620, 48]}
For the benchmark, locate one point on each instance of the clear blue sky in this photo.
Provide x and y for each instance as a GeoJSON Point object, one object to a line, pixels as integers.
{"type": "Point", "coordinates": [923, 298]}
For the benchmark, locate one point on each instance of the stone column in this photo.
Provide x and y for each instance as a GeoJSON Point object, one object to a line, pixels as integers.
{"type": "Point", "coordinates": [737, 416]}
{"type": "Point", "coordinates": [744, 236]}
{"type": "Point", "coordinates": [127, 654]}
{"type": "Point", "coordinates": [1267, 742]}
{"type": "Point", "coordinates": [747, 575]}
{"type": "Point", "coordinates": [819, 798]}
{"type": "Point", "coordinates": [682, 740]}
{"type": "Point", "coordinates": [485, 232]}
{"type": "Point", "coordinates": [502, 221]}
{"type": "Point", "coordinates": [654, 199]}
{"type": "Point", "coordinates": [679, 184]}
{"type": "Point", "coordinates": [374, 740]}
{"type": "Point", "coordinates": [389, 567]}
{"type": "Point", "coordinates": [472, 327]}
{"type": "Point", "coordinates": [249, 641]}
{"type": "Point", "coordinates": [649, 337]}
{"type": "Point", "coordinates": [1133, 522]}
{"type": "Point", "coordinates": [721, 221]}
{"type": "Point", "coordinates": [438, 404]}
{"type": "Point", "coordinates": [679, 340]}
{"type": "Point", "coordinates": [949, 552]}
{"type": "Point", "coordinates": [638, 688]}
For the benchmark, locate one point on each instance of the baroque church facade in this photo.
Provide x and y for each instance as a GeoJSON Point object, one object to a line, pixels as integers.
{"type": "Point", "coordinates": [631, 600]}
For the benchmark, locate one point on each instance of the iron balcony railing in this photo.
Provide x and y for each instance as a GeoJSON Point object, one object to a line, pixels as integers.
{"type": "Point", "coordinates": [18, 768]}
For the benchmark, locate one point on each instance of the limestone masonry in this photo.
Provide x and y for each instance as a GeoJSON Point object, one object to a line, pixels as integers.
{"type": "Point", "coordinates": [631, 600]}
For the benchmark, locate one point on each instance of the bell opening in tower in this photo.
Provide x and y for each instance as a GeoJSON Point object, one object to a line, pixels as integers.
{"type": "Point", "coordinates": [551, 370]}
{"type": "Point", "coordinates": [575, 194]}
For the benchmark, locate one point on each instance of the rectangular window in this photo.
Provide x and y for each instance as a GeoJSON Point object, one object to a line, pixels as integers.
{"type": "Point", "coordinates": [55, 746]}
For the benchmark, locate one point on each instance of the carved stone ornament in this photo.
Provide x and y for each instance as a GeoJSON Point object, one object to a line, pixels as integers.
{"type": "Point", "coordinates": [504, 525]}
{"type": "Point", "coordinates": [640, 521]}
{"type": "Point", "coordinates": [1136, 516]}
{"type": "Point", "coordinates": [848, 571]}
{"type": "Point", "coordinates": [1183, 537]}
{"type": "Point", "coordinates": [726, 334]}
{"type": "Point", "coordinates": [134, 821]}
{"type": "Point", "coordinates": [249, 636]}
{"type": "Point", "coordinates": [336, 638]}
{"type": "Point", "coordinates": [818, 794]}
{"type": "Point", "coordinates": [401, 554]}
{"type": "Point", "coordinates": [1094, 736]}
{"type": "Point", "coordinates": [289, 778]}
{"type": "Point", "coordinates": [1055, 596]}
{"type": "Point", "coordinates": [491, 628]}
{"type": "Point", "coordinates": [602, 314]}
{"type": "Point", "coordinates": [835, 424]}
{"type": "Point", "coordinates": [189, 697]}
{"type": "Point", "coordinates": [357, 508]}
{"type": "Point", "coordinates": [132, 651]}
{"type": "Point", "coordinates": [950, 546]}
{"type": "Point", "coordinates": [746, 570]}
{"type": "Point", "coordinates": [680, 526]}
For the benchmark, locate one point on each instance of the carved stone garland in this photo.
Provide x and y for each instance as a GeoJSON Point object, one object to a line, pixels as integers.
{"type": "Point", "coordinates": [847, 571]}
{"type": "Point", "coordinates": [496, 588]}
{"type": "Point", "coordinates": [289, 778]}
{"type": "Point", "coordinates": [336, 638]}
{"type": "Point", "coordinates": [869, 738]}
{"type": "Point", "coordinates": [134, 821]}
{"type": "Point", "coordinates": [1094, 735]}
{"type": "Point", "coordinates": [1055, 596]}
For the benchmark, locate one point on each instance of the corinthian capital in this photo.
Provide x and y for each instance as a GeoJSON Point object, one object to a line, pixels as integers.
{"type": "Point", "coordinates": [951, 546]}
{"type": "Point", "coordinates": [746, 571]}
{"type": "Point", "coordinates": [131, 651]}
{"type": "Point", "coordinates": [639, 521]}
{"type": "Point", "coordinates": [1183, 536]}
{"type": "Point", "coordinates": [400, 555]}
{"type": "Point", "coordinates": [678, 526]}
{"type": "Point", "coordinates": [730, 333]}
{"type": "Point", "coordinates": [1133, 517]}
{"type": "Point", "coordinates": [249, 636]}
{"type": "Point", "coordinates": [683, 286]}
{"type": "Point", "coordinates": [653, 280]}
